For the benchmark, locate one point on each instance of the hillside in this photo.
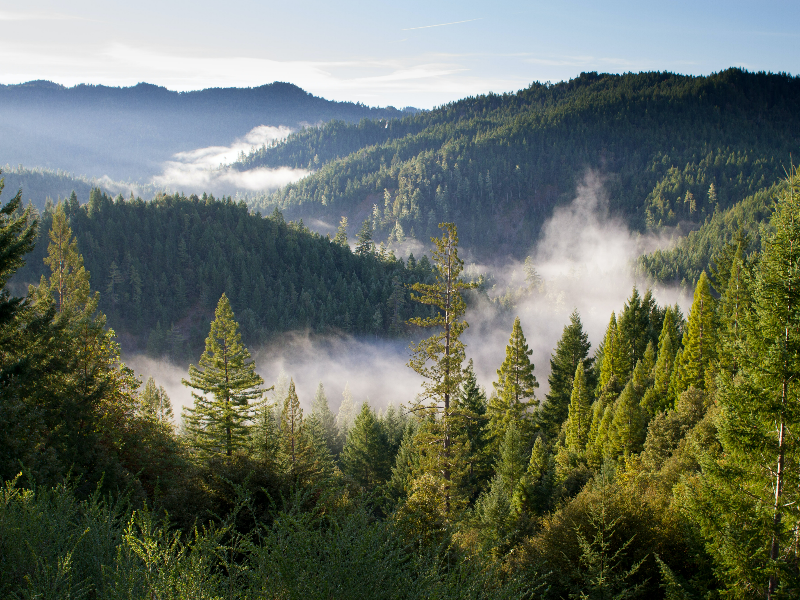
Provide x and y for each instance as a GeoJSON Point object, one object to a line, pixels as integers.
{"type": "Point", "coordinates": [128, 132]}
{"type": "Point", "coordinates": [696, 252]}
{"type": "Point", "coordinates": [162, 265]}
{"type": "Point", "coordinates": [671, 149]}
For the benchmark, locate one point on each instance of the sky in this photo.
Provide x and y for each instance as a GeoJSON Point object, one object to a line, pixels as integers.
{"type": "Point", "coordinates": [411, 53]}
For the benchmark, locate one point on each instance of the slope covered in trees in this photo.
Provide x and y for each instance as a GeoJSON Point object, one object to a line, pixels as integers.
{"type": "Point", "coordinates": [672, 150]}
{"type": "Point", "coordinates": [698, 251]}
{"type": "Point", "coordinates": [162, 265]}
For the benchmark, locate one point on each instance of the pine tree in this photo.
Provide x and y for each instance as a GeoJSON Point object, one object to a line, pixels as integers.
{"type": "Point", "coordinates": [365, 457]}
{"type": "Point", "coordinates": [155, 402]}
{"type": "Point", "coordinates": [533, 493]}
{"type": "Point", "coordinates": [69, 281]}
{"type": "Point", "coordinates": [439, 358]}
{"type": "Point", "coordinates": [90, 397]}
{"type": "Point", "coordinates": [292, 426]}
{"type": "Point", "coordinates": [341, 233]}
{"type": "Point", "coordinates": [365, 246]}
{"type": "Point", "coordinates": [748, 506]}
{"type": "Point", "coordinates": [571, 350]}
{"type": "Point", "coordinates": [321, 414]}
{"type": "Point", "coordinates": [513, 458]}
{"type": "Point", "coordinates": [515, 387]}
{"type": "Point", "coordinates": [472, 403]}
{"type": "Point", "coordinates": [580, 414]}
{"type": "Point", "coordinates": [227, 382]}
{"type": "Point", "coordinates": [634, 326]}
{"type": "Point", "coordinates": [615, 357]}
{"type": "Point", "coordinates": [657, 398]}
{"type": "Point", "coordinates": [346, 415]}
{"type": "Point", "coordinates": [699, 342]}
{"type": "Point", "coordinates": [406, 463]}
{"type": "Point", "coordinates": [627, 429]}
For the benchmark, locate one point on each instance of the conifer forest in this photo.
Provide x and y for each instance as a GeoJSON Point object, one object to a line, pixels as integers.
{"type": "Point", "coordinates": [658, 461]}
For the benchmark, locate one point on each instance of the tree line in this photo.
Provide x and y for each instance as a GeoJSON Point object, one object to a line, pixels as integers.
{"type": "Point", "coordinates": [161, 266]}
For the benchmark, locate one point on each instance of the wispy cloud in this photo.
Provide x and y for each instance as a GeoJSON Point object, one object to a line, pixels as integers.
{"type": "Point", "coordinates": [440, 24]}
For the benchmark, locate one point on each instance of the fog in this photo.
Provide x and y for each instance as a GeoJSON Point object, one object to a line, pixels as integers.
{"type": "Point", "coordinates": [205, 168]}
{"type": "Point", "coordinates": [584, 257]}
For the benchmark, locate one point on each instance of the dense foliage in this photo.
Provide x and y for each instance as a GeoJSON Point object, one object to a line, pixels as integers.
{"type": "Point", "coordinates": [162, 265]}
{"type": "Point", "coordinates": [673, 149]}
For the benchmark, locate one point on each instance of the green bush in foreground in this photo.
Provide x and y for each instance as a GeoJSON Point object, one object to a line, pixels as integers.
{"type": "Point", "coordinates": [55, 546]}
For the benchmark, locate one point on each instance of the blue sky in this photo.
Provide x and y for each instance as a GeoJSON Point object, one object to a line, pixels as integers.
{"type": "Point", "coordinates": [411, 53]}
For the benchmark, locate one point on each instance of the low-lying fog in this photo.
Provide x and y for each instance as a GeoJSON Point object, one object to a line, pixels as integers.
{"type": "Point", "coordinates": [585, 260]}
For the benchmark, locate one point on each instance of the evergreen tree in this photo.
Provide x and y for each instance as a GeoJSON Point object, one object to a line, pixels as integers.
{"type": "Point", "coordinates": [615, 357]}
{"type": "Point", "coordinates": [405, 465]}
{"type": "Point", "coordinates": [227, 382]}
{"type": "Point", "coordinates": [341, 233]}
{"type": "Point", "coordinates": [321, 414]}
{"type": "Point", "coordinates": [601, 574]}
{"type": "Point", "coordinates": [154, 401]}
{"type": "Point", "coordinates": [634, 326]}
{"type": "Point", "coordinates": [580, 414]}
{"type": "Point", "coordinates": [627, 428]}
{"type": "Point", "coordinates": [699, 342]}
{"type": "Point", "coordinates": [346, 415]}
{"type": "Point", "coordinates": [393, 425]}
{"type": "Point", "coordinates": [292, 427]}
{"type": "Point", "coordinates": [572, 349]}
{"type": "Point", "coordinates": [265, 435]}
{"type": "Point", "coordinates": [69, 281]}
{"type": "Point", "coordinates": [439, 358]}
{"type": "Point", "coordinates": [365, 246]}
{"type": "Point", "coordinates": [748, 506]}
{"type": "Point", "coordinates": [61, 366]}
{"type": "Point", "coordinates": [515, 387]}
{"type": "Point", "coordinates": [513, 458]}
{"type": "Point", "coordinates": [365, 457]}
{"type": "Point", "coordinates": [657, 398]}
{"type": "Point", "coordinates": [533, 493]}
{"type": "Point", "coordinates": [472, 403]}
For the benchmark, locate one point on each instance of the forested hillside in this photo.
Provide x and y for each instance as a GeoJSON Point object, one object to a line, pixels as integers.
{"type": "Point", "coordinates": [671, 149]}
{"type": "Point", "coordinates": [161, 266]}
{"type": "Point", "coordinates": [698, 251]}
{"type": "Point", "coordinates": [126, 133]}
{"type": "Point", "coordinates": [662, 463]}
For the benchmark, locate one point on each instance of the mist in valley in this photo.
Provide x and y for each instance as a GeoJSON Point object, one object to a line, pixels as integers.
{"type": "Point", "coordinates": [585, 259]}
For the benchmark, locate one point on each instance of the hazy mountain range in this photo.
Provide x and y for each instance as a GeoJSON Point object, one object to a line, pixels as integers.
{"type": "Point", "coordinates": [128, 133]}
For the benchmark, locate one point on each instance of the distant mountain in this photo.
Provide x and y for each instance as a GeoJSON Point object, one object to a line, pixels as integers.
{"type": "Point", "coordinates": [128, 132]}
{"type": "Point", "coordinates": [671, 151]}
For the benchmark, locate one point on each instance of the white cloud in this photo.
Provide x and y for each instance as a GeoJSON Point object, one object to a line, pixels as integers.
{"type": "Point", "coordinates": [204, 169]}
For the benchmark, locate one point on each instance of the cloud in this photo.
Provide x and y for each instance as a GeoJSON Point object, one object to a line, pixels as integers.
{"type": "Point", "coordinates": [204, 169]}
